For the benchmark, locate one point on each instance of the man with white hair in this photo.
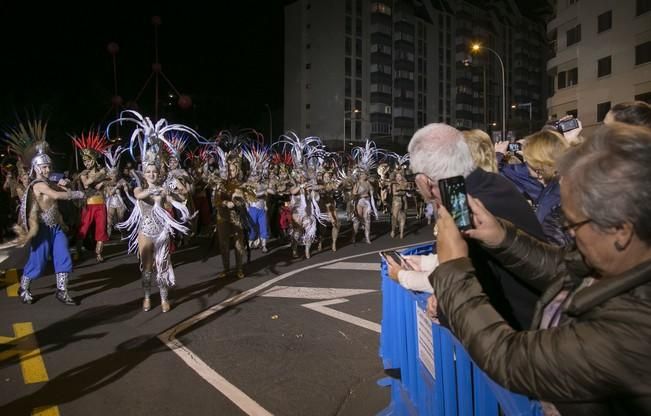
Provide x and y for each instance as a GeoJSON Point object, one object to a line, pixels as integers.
{"type": "Point", "coordinates": [439, 151]}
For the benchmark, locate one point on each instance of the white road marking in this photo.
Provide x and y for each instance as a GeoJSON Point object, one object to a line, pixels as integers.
{"type": "Point", "coordinates": [312, 292]}
{"type": "Point", "coordinates": [343, 265]}
{"type": "Point", "coordinates": [239, 398]}
{"type": "Point", "coordinates": [321, 308]}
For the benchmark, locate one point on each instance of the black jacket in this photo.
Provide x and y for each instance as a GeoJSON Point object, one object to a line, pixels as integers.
{"type": "Point", "coordinates": [513, 299]}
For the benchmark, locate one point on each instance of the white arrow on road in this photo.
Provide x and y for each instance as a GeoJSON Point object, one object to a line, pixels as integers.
{"type": "Point", "coordinates": [312, 292]}
{"type": "Point", "coordinates": [332, 296]}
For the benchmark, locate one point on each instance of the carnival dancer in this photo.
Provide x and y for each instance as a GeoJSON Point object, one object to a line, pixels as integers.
{"type": "Point", "coordinates": [180, 181]}
{"type": "Point", "coordinates": [232, 218]}
{"type": "Point", "coordinates": [93, 178]}
{"type": "Point", "coordinates": [150, 226]}
{"type": "Point", "coordinates": [114, 188]}
{"type": "Point", "coordinates": [328, 190]}
{"type": "Point", "coordinates": [363, 192]}
{"type": "Point", "coordinates": [399, 193]}
{"type": "Point", "coordinates": [307, 153]}
{"type": "Point", "coordinates": [258, 158]}
{"type": "Point", "coordinates": [39, 223]}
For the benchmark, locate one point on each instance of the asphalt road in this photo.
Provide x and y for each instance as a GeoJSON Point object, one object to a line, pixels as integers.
{"type": "Point", "coordinates": [294, 337]}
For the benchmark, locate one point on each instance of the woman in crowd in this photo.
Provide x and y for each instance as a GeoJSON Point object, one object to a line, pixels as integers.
{"type": "Point", "coordinates": [540, 152]}
{"type": "Point", "coordinates": [587, 352]}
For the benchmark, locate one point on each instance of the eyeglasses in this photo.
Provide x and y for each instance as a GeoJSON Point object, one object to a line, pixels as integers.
{"type": "Point", "coordinates": [574, 226]}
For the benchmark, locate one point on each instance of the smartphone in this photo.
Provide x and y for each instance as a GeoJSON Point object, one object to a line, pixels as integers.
{"type": "Point", "coordinates": [397, 257]}
{"type": "Point", "coordinates": [455, 199]}
{"type": "Point", "coordinates": [515, 147]}
{"type": "Point", "coordinates": [567, 125]}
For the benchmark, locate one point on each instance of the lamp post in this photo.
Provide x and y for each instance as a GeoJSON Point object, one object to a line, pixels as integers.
{"type": "Point", "coordinates": [475, 48]}
{"type": "Point", "coordinates": [270, 125]}
{"type": "Point", "coordinates": [524, 105]}
{"type": "Point", "coordinates": [351, 119]}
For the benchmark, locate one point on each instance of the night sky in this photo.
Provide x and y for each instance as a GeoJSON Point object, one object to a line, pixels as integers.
{"type": "Point", "coordinates": [227, 56]}
{"type": "Point", "coordinates": [229, 60]}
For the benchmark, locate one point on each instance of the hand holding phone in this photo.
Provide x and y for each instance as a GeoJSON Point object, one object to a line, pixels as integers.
{"type": "Point", "coordinates": [455, 199]}
{"type": "Point", "coordinates": [396, 257]}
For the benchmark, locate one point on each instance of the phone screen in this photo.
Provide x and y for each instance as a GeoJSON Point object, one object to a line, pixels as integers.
{"type": "Point", "coordinates": [567, 125]}
{"type": "Point", "coordinates": [397, 257]}
{"type": "Point", "coordinates": [455, 200]}
{"type": "Point", "coordinates": [514, 147]}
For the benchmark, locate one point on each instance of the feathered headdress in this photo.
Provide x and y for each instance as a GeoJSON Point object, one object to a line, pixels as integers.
{"type": "Point", "coordinates": [149, 138]}
{"type": "Point", "coordinates": [27, 143]}
{"type": "Point", "coordinates": [176, 146]}
{"type": "Point", "coordinates": [401, 161]}
{"type": "Point", "coordinates": [112, 156]}
{"type": "Point", "coordinates": [366, 157]}
{"type": "Point", "coordinates": [301, 150]}
{"type": "Point", "coordinates": [258, 157]}
{"type": "Point", "coordinates": [91, 145]}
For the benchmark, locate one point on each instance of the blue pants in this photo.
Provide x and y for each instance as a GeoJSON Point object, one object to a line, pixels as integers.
{"type": "Point", "coordinates": [259, 219]}
{"type": "Point", "coordinates": [48, 241]}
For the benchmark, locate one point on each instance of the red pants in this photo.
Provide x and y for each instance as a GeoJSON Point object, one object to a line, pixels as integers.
{"type": "Point", "coordinates": [93, 213]}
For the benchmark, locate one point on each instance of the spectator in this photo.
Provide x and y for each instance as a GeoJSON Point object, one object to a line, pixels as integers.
{"type": "Point", "coordinates": [588, 350]}
{"type": "Point", "coordinates": [481, 149]}
{"type": "Point", "coordinates": [540, 153]}
{"type": "Point", "coordinates": [439, 151]}
{"type": "Point", "coordinates": [637, 113]}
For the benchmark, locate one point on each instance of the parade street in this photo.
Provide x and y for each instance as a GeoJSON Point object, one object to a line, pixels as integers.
{"type": "Point", "coordinates": [294, 337]}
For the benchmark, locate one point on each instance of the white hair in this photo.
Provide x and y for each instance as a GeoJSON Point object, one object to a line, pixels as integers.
{"type": "Point", "coordinates": [440, 151]}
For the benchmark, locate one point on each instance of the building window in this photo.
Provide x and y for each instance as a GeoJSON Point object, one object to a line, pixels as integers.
{"type": "Point", "coordinates": [602, 109]}
{"type": "Point", "coordinates": [643, 53]}
{"type": "Point", "coordinates": [574, 35]}
{"type": "Point", "coordinates": [646, 97]}
{"type": "Point", "coordinates": [642, 6]}
{"type": "Point", "coordinates": [307, 106]}
{"type": "Point", "coordinates": [348, 87]}
{"type": "Point", "coordinates": [308, 45]}
{"type": "Point", "coordinates": [603, 66]}
{"type": "Point", "coordinates": [358, 87]}
{"type": "Point", "coordinates": [308, 6]}
{"type": "Point", "coordinates": [349, 6]}
{"type": "Point", "coordinates": [349, 46]}
{"type": "Point", "coordinates": [573, 113]}
{"type": "Point", "coordinates": [572, 77]}
{"type": "Point", "coordinates": [347, 66]}
{"type": "Point", "coordinates": [358, 48]}
{"type": "Point", "coordinates": [380, 8]}
{"type": "Point", "coordinates": [568, 78]}
{"type": "Point", "coordinates": [307, 26]}
{"type": "Point", "coordinates": [308, 66]}
{"type": "Point", "coordinates": [573, 2]}
{"type": "Point", "coordinates": [308, 86]}
{"type": "Point", "coordinates": [358, 7]}
{"type": "Point", "coordinates": [349, 25]}
{"type": "Point", "coordinates": [604, 21]}
{"type": "Point", "coordinates": [358, 27]}
{"type": "Point", "coordinates": [358, 68]}
{"type": "Point", "coordinates": [307, 126]}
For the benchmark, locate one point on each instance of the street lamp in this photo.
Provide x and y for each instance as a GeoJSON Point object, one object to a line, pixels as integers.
{"type": "Point", "coordinates": [475, 48]}
{"type": "Point", "coordinates": [524, 105]}
{"type": "Point", "coordinates": [349, 118]}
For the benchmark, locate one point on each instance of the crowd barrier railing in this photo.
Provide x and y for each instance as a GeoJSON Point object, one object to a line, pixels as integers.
{"type": "Point", "coordinates": [432, 372]}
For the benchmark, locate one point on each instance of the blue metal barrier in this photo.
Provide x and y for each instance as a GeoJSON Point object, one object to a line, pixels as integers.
{"type": "Point", "coordinates": [437, 376]}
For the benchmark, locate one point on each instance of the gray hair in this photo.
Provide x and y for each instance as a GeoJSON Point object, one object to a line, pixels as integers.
{"type": "Point", "coordinates": [440, 151]}
{"type": "Point", "coordinates": [610, 176]}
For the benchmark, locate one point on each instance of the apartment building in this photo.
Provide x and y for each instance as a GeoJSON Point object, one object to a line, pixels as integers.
{"type": "Point", "coordinates": [358, 69]}
{"type": "Point", "coordinates": [601, 55]}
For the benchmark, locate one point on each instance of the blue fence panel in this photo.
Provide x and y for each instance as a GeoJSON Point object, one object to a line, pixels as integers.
{"type": "Point", "coordinates": [457, 386]}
